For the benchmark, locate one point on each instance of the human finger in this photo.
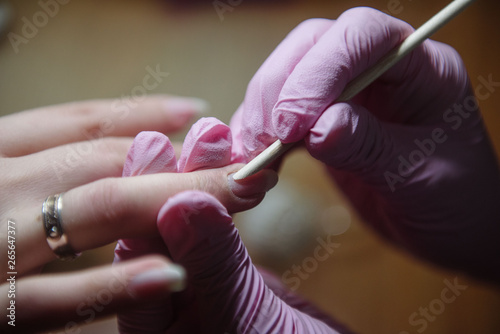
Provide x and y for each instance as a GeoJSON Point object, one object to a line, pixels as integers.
{"type": "Point", "coordinates": [252, 124]}
{"type": "Point", "coordinates": [61, 168]}
{"type": "Point", "coordinates": [349, 137]}
{"type": "Point", "coordinates": [51, 301]}
{"type": "Point", "coordinates": [359, 38]}
{"type": "Point", "coordinates": [98, 213]}
{"type": "Point", "coordinates": [91, 120]}
{"type": "Point", "coordinates": [200, 234]}
{"type": "Point", "coordinates": [150, 153]}
{"type": "Point", "coordinates": [207, 145]}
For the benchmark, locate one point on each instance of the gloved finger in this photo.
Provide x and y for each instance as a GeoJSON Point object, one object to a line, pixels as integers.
{"type": "Point", "coordinates": [200, 235]}
{"type": "Point", "coordinates": [207, 145]}
{"type": "Point", "coordinates": [238, 153]}
{"type": "Point", "coordinates": [91, 120]}
{"type": "Point", "coordinates": [252, 124]}
{"type": "Point", "coordinates": [349, 137]}
{"type": "Point", "coordinates": [419, 87]}
{"type": "Point", "coordinates": [47, 301]}
{"type": "Point", "coordinates": [150, 153]}
{"type": "Point", "coordinates": [358, 38]}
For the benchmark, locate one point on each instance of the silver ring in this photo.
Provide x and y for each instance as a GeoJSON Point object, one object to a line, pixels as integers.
{"type": "Point", "coordinates": [52, 222]}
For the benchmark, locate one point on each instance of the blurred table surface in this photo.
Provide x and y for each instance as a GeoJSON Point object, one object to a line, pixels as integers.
{"type": "Point", "coordinates": [100, 49]}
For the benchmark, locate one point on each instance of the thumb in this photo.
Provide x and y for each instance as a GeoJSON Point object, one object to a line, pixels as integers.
{"type": "Point", "coordinates": [348, 137]}
{"type": "Point", "coordinates": [232, 295]}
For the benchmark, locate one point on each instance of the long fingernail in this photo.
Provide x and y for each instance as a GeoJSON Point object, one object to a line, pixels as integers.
{"type": "Point", "coordinates": [186, 105]}
{"type": "Point", "coordinates": [171, 278]}
{"type": "Point", "coordinates": [257, 184]}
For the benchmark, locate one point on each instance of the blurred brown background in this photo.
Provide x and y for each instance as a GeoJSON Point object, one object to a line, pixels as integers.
{"type": "Point", "coordinates": [100, 49]}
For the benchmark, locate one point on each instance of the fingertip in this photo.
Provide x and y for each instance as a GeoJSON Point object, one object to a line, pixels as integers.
{"type": "Point", "coordinates": [255, 185]}
{"type": "Point", "coordinates": [160, 280]}
{"type": "Point", "coordinates": [189, 105]}
{"type": "Point", "coordinates": [151, 152]}
{"type": "Point", "coordinates": [189, 217]}
{"type": "Point", "coordinates": [333, 131]}
{"type": "Point", "coordinates": [348, 136]}
{"type": "Point", "coordinates": [184, 205]}
{"type": "Point", "coordinates": [207, 145]}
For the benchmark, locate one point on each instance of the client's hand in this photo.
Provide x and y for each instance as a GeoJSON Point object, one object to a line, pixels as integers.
{"type": "Point", "coordinates": [79, 149]}
{"type": "Point", "coordinates": [225, 292]}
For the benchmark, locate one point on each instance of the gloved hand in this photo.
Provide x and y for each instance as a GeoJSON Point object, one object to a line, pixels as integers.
{"type": "Point", "coordinates": [231, 295]}
{"type": "Point", "coordinates": [410, 151]}
{"type": "Point", "coordinates": [220, 275]}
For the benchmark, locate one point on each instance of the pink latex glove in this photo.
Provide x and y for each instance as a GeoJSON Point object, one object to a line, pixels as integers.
{"type": "Point", "coordinates": [188, 222]}
{"type": "Point", "coordinates": [152, 152]}
{"type": "Point", "coordinates": [232, 296]}
{"type": "Point", "coordinates": [410, 151]}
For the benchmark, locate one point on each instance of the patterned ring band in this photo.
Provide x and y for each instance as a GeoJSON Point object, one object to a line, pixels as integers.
{"type": "Point", "coordinates": [52, 222]}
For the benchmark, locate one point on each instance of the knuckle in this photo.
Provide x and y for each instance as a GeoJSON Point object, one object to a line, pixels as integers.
{"type": "Point", "coordinates": [334, 132]}
{"type": "Point", "coordinates": [108, 201]}
{"type": "Point", "coordinates": [114, 152]}
{"type": "Point", "coordinates": [215, 185]}
{"type": "Point", "coordinates": [360, 14]}
{"type": "Point", "coordinates": [312, 23]}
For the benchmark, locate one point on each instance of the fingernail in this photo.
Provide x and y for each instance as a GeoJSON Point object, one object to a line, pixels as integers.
{"type": "Point", "coordinates": [171, 278]}
{"type": "Point", "coordinates": [186, 105]}
{"type": "Point", "coordinates": [254, 185]}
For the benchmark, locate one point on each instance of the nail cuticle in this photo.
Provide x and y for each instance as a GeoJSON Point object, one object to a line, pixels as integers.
{"type": "Point", "coordinates": [252, 190]}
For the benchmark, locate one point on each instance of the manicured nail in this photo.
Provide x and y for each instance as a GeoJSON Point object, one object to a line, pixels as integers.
{"type": "Point", "coordinates": [254, 185]}
{"type": "Point", "coordinates": [186, 105]}
{"type": "Point", "coordinates": [170, 278]}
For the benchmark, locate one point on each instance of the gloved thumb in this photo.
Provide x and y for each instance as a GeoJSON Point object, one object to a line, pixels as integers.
{"type": "Point", "coordinates": [348, 137]}
{"type": "Point", "coordinates": [232, 295]}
